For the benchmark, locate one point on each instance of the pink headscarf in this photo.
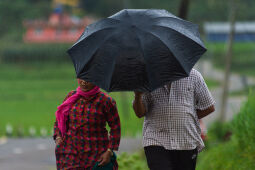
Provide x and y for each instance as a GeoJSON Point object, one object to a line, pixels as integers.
{"type": "Point", "coordinates": [64, 108]}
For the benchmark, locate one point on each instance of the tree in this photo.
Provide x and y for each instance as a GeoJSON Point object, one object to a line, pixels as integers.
{"type": "Point", "coordinates": [184, 9]}
{"type": "Point", "coordinates": [228, 59]}
{"type": "Point", "coordinates": [199, 10]}
{"type": "Point", "coordinates": [101, 8]}
{"type": "Point", "coordinates": [13, 13]}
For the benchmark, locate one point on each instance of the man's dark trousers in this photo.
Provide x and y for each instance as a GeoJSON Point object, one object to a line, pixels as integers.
{"type": "Point", "coordinates": [158, 158]}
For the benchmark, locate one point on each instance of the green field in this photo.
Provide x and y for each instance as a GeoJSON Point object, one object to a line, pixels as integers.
{"type": "Point", "coordinates": [243, 60]}
{"type": "Point", "coordinates": [30, 94]}
{"type": "Point", "coordinates": [243, 92]}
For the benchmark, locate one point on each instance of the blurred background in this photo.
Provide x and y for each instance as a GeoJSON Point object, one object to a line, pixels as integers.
{"type": "Point", "coordinates": [36, 74]}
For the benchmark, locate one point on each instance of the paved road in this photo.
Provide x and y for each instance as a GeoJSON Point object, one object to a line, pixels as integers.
{"type": "Point", "coordinates": [38, 154]}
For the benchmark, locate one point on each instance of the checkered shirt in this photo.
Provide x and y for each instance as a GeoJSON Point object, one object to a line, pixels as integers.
{"type": "Point", "coordinates": [171, 119]}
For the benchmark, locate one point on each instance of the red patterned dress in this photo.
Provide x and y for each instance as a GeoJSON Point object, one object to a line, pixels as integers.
{"type": "Point", "coordinates": [87, 137]}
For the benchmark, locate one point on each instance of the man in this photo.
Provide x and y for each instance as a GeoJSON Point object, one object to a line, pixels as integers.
{"type": "Point", "coordinates": [171, 131]}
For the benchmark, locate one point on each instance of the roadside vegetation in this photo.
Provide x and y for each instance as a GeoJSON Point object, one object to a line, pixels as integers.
{"type": "Point", "coordinates": [230, 145]}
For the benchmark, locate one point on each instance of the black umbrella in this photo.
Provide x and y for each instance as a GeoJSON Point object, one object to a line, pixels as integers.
{"type": "Point", "coordinates": [136, 50]}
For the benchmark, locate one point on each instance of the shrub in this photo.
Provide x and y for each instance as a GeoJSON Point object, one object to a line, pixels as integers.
{"type": "Point", "coordinates": [135, 161]}
{"type": "Point", "coordinates": [239, 152]}
{"type": "Point", "coordinates": [218, 132]}
{"type": "Point", "coordinates": [25, 53]}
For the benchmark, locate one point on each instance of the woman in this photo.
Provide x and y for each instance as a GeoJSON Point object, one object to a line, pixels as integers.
{"type": "Point", "coordinates": [80, 129]}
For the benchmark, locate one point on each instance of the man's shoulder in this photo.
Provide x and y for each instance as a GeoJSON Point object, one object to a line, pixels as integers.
{"type": "Point", "coordinates": [194, 74]}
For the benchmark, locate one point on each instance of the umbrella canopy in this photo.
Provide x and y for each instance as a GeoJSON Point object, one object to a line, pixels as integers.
{"type": "Point", "coordinates": [137, 50]}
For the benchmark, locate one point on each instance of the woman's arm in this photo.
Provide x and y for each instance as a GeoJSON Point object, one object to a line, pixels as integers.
{"type": "Point", "coordinates": [113, 121]}
{"type": "Point", "coordinates": [57, 135]}
{"type": "Point", "coordinates": [56, 131]}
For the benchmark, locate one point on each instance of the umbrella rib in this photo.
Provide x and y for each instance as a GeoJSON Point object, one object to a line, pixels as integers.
{"type": "Point", "coordinates": [140, 43]}
{"type": "Point", "coordinates": [202, 45]}
{"type": "Point", "coordinates": [164, 44]}
{"type": "Point", "coordinates": [102, 42]}
{"type": "Point", "coordinates": [90, 34]}
{"type": "Point", "coordinates": [175, 18]}
{"type": "Point", "coordinates": [129, 16]}
{"type": "Point", "coordinates": [181, 34]}
{"type": "Point", "coordinates": [114, 19]}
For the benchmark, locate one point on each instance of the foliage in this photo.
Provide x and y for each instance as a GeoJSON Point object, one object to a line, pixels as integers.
{"type": "Point", "coordinates": [102, 7]}
{"type": "Point", "coordinates": [218, 132]}
{"type": "Point", "coordinates": [24, 53]}
{"type": "Point", "coordinates": [212, 83]}
{"type": "Point", "coordinates": [243, 125]}
{"type": "Point", "coordinates": [239, 152]}
{"type": "Point", "coordinates": [200, 10]}
{"type": "Point", "coordinates": [243, 92]}
{"type": "Point", "coordinates": [243, 59]}
{"type": "Point", "coordinates": [225, 157]}
{"type": "Point", "coordinates": [135, 161]}
{"type": "Point", "coordinates": [12, 13]}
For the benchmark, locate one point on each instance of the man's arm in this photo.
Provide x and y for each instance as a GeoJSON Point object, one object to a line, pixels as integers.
{"type": "Point", "coordinates": [204, 102]}
{"type": "Point", "coordinates": [202, 113]}
{"type": "Point", "coordinates": [138, 105]}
